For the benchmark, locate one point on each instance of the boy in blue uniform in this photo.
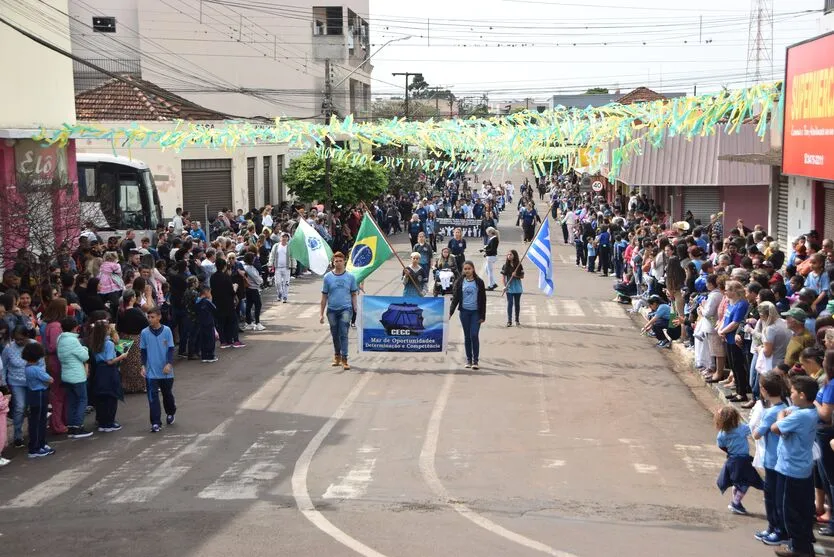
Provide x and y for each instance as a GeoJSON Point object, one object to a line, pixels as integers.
{"type": "Point", "coordinates": [37, 397]}
{"type": "Point", "coordinates": [772, 388]}
{"type": "Point", "coordinates": [156, 344]}
{"type": "Point", "coordinates": [797, 429]}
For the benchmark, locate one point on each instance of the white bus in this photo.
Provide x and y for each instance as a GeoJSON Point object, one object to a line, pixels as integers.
{"type": "Point", "coordinates": [118, 193]}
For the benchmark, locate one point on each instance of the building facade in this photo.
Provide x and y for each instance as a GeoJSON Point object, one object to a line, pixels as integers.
{"type": "Point", "coordinates": [263, 60]}
{"type": "Point", "coordinates": [26, 105]}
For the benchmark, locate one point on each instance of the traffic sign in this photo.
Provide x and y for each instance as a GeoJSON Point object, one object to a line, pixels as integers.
{"type": "Point", "coordinates": [597, 186]}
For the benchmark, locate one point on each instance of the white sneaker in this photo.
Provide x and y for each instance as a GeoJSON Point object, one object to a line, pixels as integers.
{"type": "Point", "coordinates": [258, 327]}
{"type": "Point", "coordinates": [4, 461]}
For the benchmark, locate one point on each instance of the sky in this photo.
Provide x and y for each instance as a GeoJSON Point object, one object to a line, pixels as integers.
{"type": "Point", "coordinates": [513, 49]}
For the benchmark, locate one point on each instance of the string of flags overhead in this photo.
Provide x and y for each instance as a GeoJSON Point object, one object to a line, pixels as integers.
{"type": "Point", "coordinates": [605, 137]}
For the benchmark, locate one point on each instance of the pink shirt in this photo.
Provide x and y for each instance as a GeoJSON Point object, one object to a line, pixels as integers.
{"type": "Point", "coordinates": [107, 283]}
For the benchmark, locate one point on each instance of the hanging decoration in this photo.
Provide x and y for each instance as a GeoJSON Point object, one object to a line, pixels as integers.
{"type": "Point", "coordinates": [608, 135]}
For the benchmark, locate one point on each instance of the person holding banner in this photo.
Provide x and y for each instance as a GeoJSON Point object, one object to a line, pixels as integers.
{"type": "Point", "coordinates": [338, 298]}
{"type": "Point", "coordinates": [470, 294]}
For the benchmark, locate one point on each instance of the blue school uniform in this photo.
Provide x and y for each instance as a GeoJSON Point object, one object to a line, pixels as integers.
{"type": "Point", "coordinates": [738, 469]}
{"type": "Point", "coordinates": [107, 381]}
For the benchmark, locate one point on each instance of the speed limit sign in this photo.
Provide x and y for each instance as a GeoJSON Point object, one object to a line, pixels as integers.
{"type": "Point", "coordinates": [597, 186]}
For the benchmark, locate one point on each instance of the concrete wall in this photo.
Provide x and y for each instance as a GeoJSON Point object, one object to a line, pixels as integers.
{"type": "Point", "coordinates": [167, 167]}
{"type": "Point", "coordinates": [750, 203]}
{"type": "Point", "coordinates": [36, 82]}
{"type": "Point", "coordinates": [200, 50]}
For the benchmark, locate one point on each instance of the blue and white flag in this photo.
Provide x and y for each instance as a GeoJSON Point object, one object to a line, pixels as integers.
{"type": "Point", "coordinates": [539, 254]}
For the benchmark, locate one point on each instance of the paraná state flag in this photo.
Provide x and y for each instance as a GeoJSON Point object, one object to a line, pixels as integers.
{"type": "Point", "coordinates": [369, 252]}
{"type": "Point", "coordinates": [309, 248]}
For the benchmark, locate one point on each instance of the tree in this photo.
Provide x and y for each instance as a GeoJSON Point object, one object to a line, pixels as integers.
{"type": "Point", "coordinates": [418, 86]}
{"type": "Point", "coordinates": [351, 184]}
{"type": "Point", "coordinates": [597, 91]}
{"type": "Point", "coordinates": [402, 180]}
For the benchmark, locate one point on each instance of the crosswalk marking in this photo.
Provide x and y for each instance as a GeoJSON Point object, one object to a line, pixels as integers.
{"type": "Point", "coordinates": [355, 483]}
{"type": "Point", "coordinates": [610, 311]}
{"type": "Point", "coordinates": [565, 308]}
{"type": "Point", "coordinates": [309, 312]}
{"type": "Point", "coordinates": [67, 479]}
{"type": "Point", "coordinates": [253, 470]}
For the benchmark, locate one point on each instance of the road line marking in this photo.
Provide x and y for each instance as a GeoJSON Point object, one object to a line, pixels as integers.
{"type": "Point", "coordinates": [612, 312]}
{"type": "Point", "coordinates": [565, 308]}
{"type": "Point", "coordinates": [542, 387]}
{"type": "Point", "coordinates": [645, 468]}
{"type": "Point", "coordinates": [151, 480]}
{"type": "Point", "coordinates": [549, 463]}
{"type": "Point", "coordinates": [302, 469]}
{"type": "Point", "coordinates": [67, 479]}
{"type": "Point", "coordinates": [309, 312]}
{"type": "Point", "coordinates": [355, 484]}
{"type": "Point", "coordinates": [427, 467]}
{"type": "Point", "coordinates": [257, 466]}
{"type": "Point", "coordinates": [566, 324]}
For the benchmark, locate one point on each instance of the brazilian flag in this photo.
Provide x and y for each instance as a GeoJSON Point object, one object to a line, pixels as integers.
{"type": "Point", "coordinates": [369, 252]}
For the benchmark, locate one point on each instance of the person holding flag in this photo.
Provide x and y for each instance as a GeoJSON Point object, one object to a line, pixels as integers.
{"type": "Point", "coordinates": [338, 298]}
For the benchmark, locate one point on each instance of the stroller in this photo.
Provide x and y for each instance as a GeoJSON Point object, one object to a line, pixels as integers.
{"type": "Point", "coordinates": [444, 281]}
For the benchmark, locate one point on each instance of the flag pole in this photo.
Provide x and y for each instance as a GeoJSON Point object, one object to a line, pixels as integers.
{"type": "Point", "coordinates": [529, 245]}
{"type": "Point", "coordinates": [384, 237]}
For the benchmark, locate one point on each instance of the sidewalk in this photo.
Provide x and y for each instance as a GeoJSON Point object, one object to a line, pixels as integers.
{"type": "Point", "coordinates": [683, 360]}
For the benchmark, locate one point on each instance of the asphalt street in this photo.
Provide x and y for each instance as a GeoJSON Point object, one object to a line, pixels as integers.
{"type": "Point", "coordinates": [575, 438]}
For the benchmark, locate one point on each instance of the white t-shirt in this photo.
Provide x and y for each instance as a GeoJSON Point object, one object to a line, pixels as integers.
{"type": "Point", "coordinates": [267, 221]}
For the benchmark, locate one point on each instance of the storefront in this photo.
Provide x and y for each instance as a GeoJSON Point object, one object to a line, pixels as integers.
{"type": "Point", "coordinates": [808, 134]}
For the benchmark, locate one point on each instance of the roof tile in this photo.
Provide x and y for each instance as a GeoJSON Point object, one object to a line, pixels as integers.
{"type": "Point", "coordinates": [132, 98]}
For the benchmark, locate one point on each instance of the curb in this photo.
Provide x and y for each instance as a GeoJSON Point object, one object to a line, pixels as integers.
{"type": "Point", "coordinates": [685, 360]}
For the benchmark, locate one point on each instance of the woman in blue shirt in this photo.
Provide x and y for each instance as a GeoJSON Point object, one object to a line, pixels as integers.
{"type": "Point", "coordinates": [470, 294]}
{"type": "Point", "coordinates": [733, 318]}
{"type": "Point", "coordinates": [513, 272]}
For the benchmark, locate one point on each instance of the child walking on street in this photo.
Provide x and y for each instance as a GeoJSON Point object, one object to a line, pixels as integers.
{"type": "Point", "coordinates": [156, 345]}
{"type": "Point", "coordinates": [592, 254]}
{"type": "Point", "coordinates": [37, 397]}
{"type": "Point", "coordinates": [738, 471]}
{"type": "Point", "coordinates": [107, 385]}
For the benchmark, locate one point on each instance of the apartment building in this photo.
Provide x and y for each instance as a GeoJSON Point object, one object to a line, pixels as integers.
{"type": "Point", "coordinates": [253, 59]}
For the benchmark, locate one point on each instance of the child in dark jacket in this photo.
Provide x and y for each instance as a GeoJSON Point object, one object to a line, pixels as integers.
{"type": "Point", "coordinates": [206, 311]}
{"type": "Point", "coordinates": [107, 383]}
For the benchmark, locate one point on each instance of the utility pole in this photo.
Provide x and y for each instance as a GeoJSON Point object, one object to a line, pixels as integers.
{"type": "Point", "coordinates": [407, 75]}
{"type": "Point", "coordinates": [328, 113]}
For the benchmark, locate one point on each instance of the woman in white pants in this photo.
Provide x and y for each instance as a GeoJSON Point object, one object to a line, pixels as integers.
{"type": "Point", "coordinates": [491, 252]}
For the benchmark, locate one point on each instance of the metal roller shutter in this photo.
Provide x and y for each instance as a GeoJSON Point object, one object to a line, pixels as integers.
{"type": "Point", "coordinates": [703, 201]}
{"type": "Point", "coordinates": [279, 177]}
{"type": "Point", "coordinates": [267, 177]}
{"type": "Point", "coordinates": [782, 213]}
{"type": "Point", "coordinates": [206, 182]}
{"type": "Point", "coordinates": [828, 226]}
{"type": "Point", "coordinates": [250, 181]}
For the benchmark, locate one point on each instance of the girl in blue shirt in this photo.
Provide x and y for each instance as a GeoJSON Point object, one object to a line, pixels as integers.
{"type": "Point", "coordinates": [513, 272]}
{"type": "Point", "coordinates": [37, 385]}
{"type": "Point", "coordinates": [738, 471]}
{"type": "Point", "coordinates": [470, 294]}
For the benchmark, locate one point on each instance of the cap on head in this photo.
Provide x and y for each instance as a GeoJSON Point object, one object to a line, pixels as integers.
{"type": "Point", "coordinates": [796, 313]}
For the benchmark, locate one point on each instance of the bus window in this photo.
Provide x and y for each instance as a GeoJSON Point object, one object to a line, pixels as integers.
{"type": "Point", "coordinates": [149, 193]}
{"type": "Point", "coordinates": [130, 202]}
{"type": "Point", "coordinates": [87, 183]}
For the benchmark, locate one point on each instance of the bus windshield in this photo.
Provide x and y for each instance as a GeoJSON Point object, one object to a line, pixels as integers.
{"type": "Point", "coordinates": [149, 189]}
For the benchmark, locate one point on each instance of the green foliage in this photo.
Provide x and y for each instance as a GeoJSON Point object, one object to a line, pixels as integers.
{"type": "Point", "coordinates": [597, 91]}
{"type": "Point", "coordinates": [399, 180]}
{"type": "Point", "coordinates": [351, 184]}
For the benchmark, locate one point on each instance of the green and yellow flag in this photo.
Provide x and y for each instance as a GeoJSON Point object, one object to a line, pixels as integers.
{"type": "Point", "coordinates": [369, 252]}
